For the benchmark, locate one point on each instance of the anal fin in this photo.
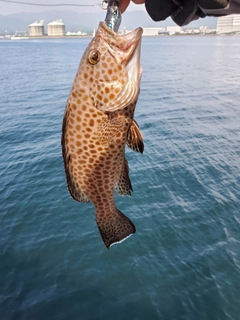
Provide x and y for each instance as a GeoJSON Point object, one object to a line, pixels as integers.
{"type": "Point", "coordinates": [124, 186]}
{"type": "Point", "coordinates": [135, 138]}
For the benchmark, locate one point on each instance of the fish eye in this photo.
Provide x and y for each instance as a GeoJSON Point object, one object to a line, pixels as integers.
{"type": "Point", "coordinates": [93, 56]}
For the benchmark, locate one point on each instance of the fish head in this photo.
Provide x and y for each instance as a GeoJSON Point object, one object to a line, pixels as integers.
{"type": "Point", "coordinates": [111, 68]}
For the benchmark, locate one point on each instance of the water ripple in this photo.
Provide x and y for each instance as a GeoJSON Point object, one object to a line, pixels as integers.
{"type": "Point", "coordinates": [183, 262]}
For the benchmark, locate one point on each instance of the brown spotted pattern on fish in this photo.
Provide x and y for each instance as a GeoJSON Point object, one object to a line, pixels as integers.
{"type": "Point", "coordinates": [98, 123]}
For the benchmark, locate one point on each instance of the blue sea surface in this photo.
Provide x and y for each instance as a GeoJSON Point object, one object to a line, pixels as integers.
{"type": "Point", "coordinates": [183, 263]}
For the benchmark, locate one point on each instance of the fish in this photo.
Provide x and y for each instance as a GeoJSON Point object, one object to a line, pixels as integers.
{"type": "Point", "coordinates": [99, 122]}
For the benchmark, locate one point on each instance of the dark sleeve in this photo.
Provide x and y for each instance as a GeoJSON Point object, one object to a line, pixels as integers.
{"type": "Point", "coordinates": [184, 11]}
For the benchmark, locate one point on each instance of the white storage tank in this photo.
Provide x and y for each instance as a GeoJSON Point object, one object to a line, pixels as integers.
{"type": "Point", "coordinates": [36, 28]}
{"type": "Point", "coordinates": [56, 28]}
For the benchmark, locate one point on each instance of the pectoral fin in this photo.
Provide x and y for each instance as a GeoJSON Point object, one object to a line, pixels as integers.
{"type": "Point", "coordinates": [108, 129]}
{"type": "Point", "coordinates": [135, 138]}
{"type": "Point", "coordinates": [124, 186]}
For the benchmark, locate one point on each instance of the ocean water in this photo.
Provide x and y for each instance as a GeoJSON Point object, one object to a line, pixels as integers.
{"type": "Point", "coordinates": [183, 263]}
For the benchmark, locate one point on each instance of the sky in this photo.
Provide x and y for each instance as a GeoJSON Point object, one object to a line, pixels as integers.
{"type": "Point", "coordinates": [7, 8]}
{"type": "Point", "coordinates": [11, 8]}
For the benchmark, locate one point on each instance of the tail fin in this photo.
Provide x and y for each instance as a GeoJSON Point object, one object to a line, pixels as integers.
{"type": "Point", "coordinates": [115, 227]}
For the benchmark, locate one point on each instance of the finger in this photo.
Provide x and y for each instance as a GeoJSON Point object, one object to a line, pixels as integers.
{"type": "Point", "coordinates": [138, 1]}
{"type": "Point", "coordinates": [123, 5]}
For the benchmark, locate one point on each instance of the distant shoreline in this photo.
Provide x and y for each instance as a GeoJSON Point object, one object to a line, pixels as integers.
{"type": "Point", "coordinates": [59, 37]}
{"type": "Point", "coordinates": [90, 36]}
{"type": "Point", "coordinates": [51, 37]}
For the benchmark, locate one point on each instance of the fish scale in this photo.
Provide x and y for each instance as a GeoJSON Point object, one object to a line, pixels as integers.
{"type": "Point", "coordinates": [98, 123]}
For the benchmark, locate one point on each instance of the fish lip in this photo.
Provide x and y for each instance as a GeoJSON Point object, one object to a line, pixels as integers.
{"type": "Point", "coordinates": [133, 56]}
{"type": "Point", "coordinates": [133, 37]}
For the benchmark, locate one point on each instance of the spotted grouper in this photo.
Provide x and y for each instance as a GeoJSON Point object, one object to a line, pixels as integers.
{"type": "Point", "coordinates": [98, 123]}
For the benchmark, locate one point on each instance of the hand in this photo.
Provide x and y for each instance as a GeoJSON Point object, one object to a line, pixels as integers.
{"type": "Point", "coordinates": [124, 4]}
{"type": "Point", "coordinates": [184, 11]}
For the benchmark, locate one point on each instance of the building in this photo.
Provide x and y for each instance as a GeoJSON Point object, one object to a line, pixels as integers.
{"type": "Point", "coordinates": [36, 28]}
{"type": "Point", "coordinates": [78, 33]}
{"type": "Point", "coordinates": [174, 29]}
{"type": "Point", "coordinates": [236, 23]}
{"type": "Point", "coordinates": [152, 31]}
{"type": "Point", "coordinates": [224, 24]}
{"type": "Point", "coordinates": [228, 24]}
{"type": "Point", "coordinates": [56, 28]}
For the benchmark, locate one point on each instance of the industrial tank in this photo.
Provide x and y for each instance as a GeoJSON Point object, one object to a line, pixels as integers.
{"type": "Point", "coordinates": [36, 28]}
{"type": "Point", "coordinates": [56, 28]}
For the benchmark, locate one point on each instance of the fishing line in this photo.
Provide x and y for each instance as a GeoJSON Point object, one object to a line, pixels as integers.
{"type": "Point", "coordinates": [50, 5]}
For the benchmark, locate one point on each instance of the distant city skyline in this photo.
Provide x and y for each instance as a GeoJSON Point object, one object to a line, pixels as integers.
{"type": "Point", "coordinates": [12, 8]}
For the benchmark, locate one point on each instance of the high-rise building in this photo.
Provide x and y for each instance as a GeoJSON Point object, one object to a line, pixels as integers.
{"type": "Point", "coordinates": [228, 24]}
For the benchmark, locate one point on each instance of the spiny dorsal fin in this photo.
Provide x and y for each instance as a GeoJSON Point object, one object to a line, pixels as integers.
{"type": "Point", "coordinates": [124, 186]}
{"type": "Point", "coordinates": [135, 138]}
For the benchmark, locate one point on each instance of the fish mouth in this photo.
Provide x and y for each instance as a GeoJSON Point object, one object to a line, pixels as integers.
{"type": "Point", "coordinates": [125, 45]}
{"type": "Point", "coordinates": [125, 48]}
{"type": "Point", "coordinates": [134, 35]}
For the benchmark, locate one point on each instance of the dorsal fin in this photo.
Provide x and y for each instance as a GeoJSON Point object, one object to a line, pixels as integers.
{"type": "Point", "coordinates": [124, 186]}
{"type": "Point", "coordinates": [135, 138]}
